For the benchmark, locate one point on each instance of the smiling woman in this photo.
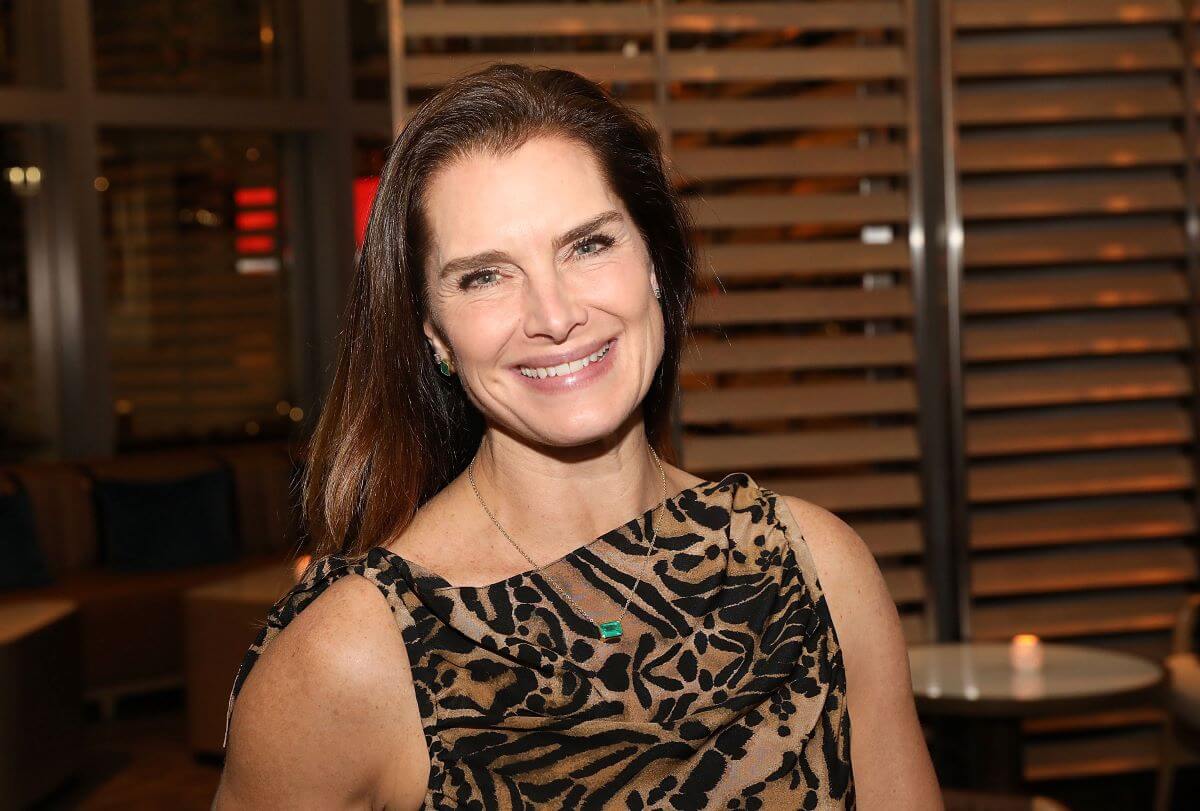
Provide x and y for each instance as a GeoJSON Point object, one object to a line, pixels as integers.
{"type": "Point", "coordinates": [545, 614]}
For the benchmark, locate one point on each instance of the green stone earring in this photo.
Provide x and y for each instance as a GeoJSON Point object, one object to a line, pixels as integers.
{"type": "Point", "coordinates": [443, 367]}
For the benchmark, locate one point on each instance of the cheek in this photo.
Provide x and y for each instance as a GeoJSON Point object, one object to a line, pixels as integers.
{"type": "Point", "coordinates": [623, 289]}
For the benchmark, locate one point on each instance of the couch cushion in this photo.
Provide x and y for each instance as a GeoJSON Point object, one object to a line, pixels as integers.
{"type": "Point", "coordinates": [22, 564]}
{"type": "Point", "coordinates": [167, 524]}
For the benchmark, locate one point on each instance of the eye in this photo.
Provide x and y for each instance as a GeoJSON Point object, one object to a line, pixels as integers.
{"type": "Point", "coordinates": [468, 281]}
{"type": "Point", "coordinates": [603, 240]}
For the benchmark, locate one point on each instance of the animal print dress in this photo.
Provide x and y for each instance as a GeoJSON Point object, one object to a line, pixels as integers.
{"type": "Point", "coordinates": [726, 691]}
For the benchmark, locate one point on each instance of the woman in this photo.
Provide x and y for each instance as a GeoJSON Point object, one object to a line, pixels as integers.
{"type": "Point", "coordinates": [502, 396]}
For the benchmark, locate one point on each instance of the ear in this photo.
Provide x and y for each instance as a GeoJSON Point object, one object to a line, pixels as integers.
{"type": "Point", "coordinates": [435, 338]}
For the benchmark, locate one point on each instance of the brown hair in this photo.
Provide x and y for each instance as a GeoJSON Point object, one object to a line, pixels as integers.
{"type": "Point", "coordinates": [393, 431]}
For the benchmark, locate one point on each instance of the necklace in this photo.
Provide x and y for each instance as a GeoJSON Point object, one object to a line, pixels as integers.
{"type": "Point", "coordinates": [610, 630]}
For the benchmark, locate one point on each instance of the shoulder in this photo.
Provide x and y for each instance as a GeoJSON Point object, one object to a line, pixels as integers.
{"type": "Point", "coordinates": [328, 708]}
{"type": "Point", "coordinates": [887, 739]}
{"type": "Point", "coordinates": [863, 612]}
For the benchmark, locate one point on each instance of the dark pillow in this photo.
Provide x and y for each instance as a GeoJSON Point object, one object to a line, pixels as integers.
{"type": "Point", "coordinates": [154, 525]}
{"type": "Point", "coordinates": [22, 564]}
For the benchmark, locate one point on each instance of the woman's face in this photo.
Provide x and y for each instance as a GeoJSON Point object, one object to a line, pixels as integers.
{"type": "Point", "coordinates": [534, 263]}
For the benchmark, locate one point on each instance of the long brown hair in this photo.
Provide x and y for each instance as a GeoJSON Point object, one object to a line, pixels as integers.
{"type": "Point", "coordinates": [393, 431]}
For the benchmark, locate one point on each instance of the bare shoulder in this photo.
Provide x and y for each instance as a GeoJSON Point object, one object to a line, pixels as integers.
{"type": "Point", "coordinates": [327, 717]}
{"type": "Point", "coordinates": [887, 740]}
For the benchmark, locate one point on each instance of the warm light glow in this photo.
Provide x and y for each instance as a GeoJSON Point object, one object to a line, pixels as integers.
{"type": "Point", "coordinates": [252, 428]}
{"type": "Point", "coordinates": [266, 35]}
{"type": "Point", "coordinates": [100, 183]}
{"type": "Point", "coordinates": [297, 414]}
{"type": "Point", "coordinates": [16, 175]}
{"type": "Point", "coordinates": [33, 175]}
{"type": "Point", "coordinates": [123, 406]}
{"type": "Point", "coordinates": [282, 407]}
{"type": "Point", "coordinates": [1026, 654]}
{"type": "Point", "coordinates": [300, 565]}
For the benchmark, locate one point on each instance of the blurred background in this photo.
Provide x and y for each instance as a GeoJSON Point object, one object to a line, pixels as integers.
{"type": "Point", "coordinates": [951, 258]}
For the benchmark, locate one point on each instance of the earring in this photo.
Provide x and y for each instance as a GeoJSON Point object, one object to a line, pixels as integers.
{"type": "Point", "coordinates": [655, 287]}
{"type": "Point", "coordinates": [442, 365]}
{"type": "Point", "coordinates": [657, 293]}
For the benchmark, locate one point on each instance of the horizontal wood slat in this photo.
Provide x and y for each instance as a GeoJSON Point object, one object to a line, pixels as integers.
{"type": "Point", "coordinates": [1040, 13]}
{"type": "Point", "coordinates": [859, 493]}
{"type": "Point", "coordinates": [977, 59]}
{"type": "Point", "coordinates": [1060, 153]}
{"type": "Point", "coordinates": [1078, 477]}
{"type": "Point", "coordinates": [1074, 292]}
{"type": "Point", "coordinates": [1032, 340]}
{"type": "Point", "coordinates": [784, 64]}
{"type": "Point", "coordinates": [1083, 570]}
{"type": "Point", "coordinates": [722, 163]}
{"type": "Point", "coordinates": [1081, 196]}
{"type": "Point", "coordinates": [759, 354]}
{"type": "Point", "coordinates": [1076, 430]}
{"type": "Point", "coordinates": [800, 449]}
{"type": "Point", "coordinates": [1059, 384]}
{"type": "Point", "coordinates": [761, 210]}
{"type": "Point", "coordinates": [1086, 522]}
{"type": "Point", "coordinates": [775, 306]}
{"type": "Point", "coordinates": [1045, 105]}
{"type": "Point", "coordinates": [1065, 616]}
{"type": "Point", "coordinates": [749, 261]}
{"type": "Point", "coordinates": [811, 400]}
{"type": "Point", "coordinates": [1061, 244]}
{"type": "Point", "coordinates": [883, 110]}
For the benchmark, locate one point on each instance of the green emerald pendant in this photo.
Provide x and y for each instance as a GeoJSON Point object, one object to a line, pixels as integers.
{"type": "Point", "coordinates": [610, 630]}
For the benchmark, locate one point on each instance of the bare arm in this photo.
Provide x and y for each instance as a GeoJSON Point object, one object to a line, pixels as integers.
{"type": "Point", "coordinates": [327, 717]}
{"type": "Point", "coordinates": [892, 768]}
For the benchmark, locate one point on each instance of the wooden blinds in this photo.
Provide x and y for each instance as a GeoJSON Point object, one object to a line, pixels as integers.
{"type": "Point", "coordinates": [792, 132]}
{"type": "Point", "coordinates": [1071, 170]}
{"type": "Point", "coordinates": [789, 130]}
{"type": "Point", "coordinates": [788, 127]}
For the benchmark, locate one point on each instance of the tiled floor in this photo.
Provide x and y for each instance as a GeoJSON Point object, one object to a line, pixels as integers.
{"type": "Point", "coordinates": [141, 761]}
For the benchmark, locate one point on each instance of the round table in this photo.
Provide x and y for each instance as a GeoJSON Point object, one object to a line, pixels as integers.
{"type": "Point", "coordinates": [979, 699]}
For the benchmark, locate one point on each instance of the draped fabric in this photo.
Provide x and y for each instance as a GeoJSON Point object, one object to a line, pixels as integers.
{"type": "Point", "coordinates": [726, 690]}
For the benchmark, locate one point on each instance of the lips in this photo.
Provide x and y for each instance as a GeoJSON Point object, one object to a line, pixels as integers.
{"type": "Point", "coordinates": [548, 359]}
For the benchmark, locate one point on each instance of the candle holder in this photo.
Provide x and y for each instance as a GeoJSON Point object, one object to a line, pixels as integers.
{"type": "Point", "coordinates": [1026, 654]}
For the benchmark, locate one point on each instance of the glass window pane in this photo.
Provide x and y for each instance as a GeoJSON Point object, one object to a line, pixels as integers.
{"type": "Point", "coordinates": [193, 46]}
{"type": "Point", "coordinates": [197, 286]}
{"type": "Point", "coordinates": [21, 429]}
{"type": "Point", "coordinates": [369, 48]}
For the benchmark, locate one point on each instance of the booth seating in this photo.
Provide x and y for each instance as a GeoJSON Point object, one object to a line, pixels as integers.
{"type": "Point", "coordinates": [125, 537]}
{"type": "Point", "coordinates": [41, 723]}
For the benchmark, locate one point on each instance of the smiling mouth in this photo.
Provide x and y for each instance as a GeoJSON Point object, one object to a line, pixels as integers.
{"type": "Point", "coordinates": [567, 368]}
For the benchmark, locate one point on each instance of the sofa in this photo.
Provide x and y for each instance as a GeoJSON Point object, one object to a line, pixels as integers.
{"type": "Point", "coordinates": [124, 537]}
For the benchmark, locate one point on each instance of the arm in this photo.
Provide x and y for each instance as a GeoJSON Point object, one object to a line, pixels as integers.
{"type": "Point", "coordinates": [328, 717]}
{"type": "Point", "coordinates": [892, 768]}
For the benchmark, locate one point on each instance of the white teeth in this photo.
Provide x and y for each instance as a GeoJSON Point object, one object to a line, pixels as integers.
{"type": "Point", "coordinates": [566, 368]}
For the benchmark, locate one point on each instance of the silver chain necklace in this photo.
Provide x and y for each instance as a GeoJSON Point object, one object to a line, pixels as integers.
{"type": "Point", "coordinates": [610, 630]}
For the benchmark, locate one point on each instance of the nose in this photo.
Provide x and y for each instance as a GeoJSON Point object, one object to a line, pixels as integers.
{"type": "Point", "coordinates": [552, 307]}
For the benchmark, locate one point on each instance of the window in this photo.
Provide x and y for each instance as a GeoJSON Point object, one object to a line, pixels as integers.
{"type": "Point", "coordinates": [197, 284]}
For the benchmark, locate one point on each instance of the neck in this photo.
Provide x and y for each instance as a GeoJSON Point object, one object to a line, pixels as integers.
{"type": "Point", "coordinates": [553, 499]}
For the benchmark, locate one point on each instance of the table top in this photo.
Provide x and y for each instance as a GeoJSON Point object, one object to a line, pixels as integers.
{"type": "Point", "coordinates": [261, 586]}
{"type": "Point", "coordinates": [21, 618]}
{"type": "Point", "coordinates": [976, 678]}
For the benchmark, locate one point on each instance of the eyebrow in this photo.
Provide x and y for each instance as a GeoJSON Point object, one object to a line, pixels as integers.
{"type": "Point", "coordinates": [465, 263]}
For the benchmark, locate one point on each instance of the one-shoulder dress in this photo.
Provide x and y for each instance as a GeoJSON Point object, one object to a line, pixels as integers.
{"type": "Point", "coordinates": [726, 690]}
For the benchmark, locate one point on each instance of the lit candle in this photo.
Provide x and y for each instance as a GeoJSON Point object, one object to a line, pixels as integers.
{"type": "Point", "coordinates": [1026, 653]}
